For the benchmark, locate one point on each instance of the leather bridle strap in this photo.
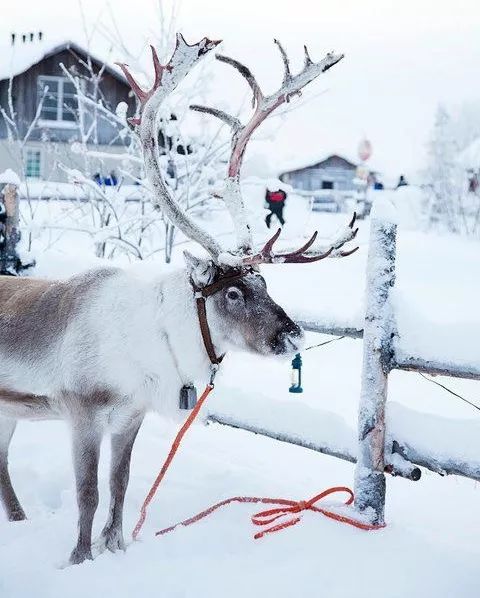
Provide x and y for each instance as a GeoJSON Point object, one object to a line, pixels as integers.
{"type": "Point", "coordinates": [205, 330]}
{"type": "Point", "coordinates": [219, 284]}
{"type": "Point", "coordinates": [200, 296]}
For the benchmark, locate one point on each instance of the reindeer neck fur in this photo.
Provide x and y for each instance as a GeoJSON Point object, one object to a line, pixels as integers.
{"type": "Point", "coordinates": [181, 327]}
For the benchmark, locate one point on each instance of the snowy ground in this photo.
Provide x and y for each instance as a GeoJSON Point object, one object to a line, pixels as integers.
{"type": "Point", "coordinates": [430, 546]}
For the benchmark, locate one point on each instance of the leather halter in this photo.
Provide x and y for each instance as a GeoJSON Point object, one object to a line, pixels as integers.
{"type": "Point", "coordinates": [201, 295]}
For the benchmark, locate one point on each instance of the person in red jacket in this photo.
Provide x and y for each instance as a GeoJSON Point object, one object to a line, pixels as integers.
{"type": "Point", "coordinates": [275, 202]}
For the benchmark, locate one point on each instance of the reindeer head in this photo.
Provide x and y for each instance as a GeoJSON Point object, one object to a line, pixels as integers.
{"type": "Point", "coordinates": [241, 313]}
{"type": "Point", "coordinates": [240, 310]}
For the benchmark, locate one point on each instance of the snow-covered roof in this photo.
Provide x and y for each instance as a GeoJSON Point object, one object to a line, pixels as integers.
{"type": "Point", "coordinates": [470, 156]}
{"type": "Point", "coordinates": [19, 57]}
{"type": "Point", "coordinates": [299, 164]}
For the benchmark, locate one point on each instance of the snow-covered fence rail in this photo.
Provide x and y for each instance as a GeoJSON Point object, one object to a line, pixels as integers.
{"type": "Point", "coordinates": [379, 448]}
{"type": "Point", "coordinates": [401, 360]}
{"type": "Point", "coordinates": [398, 461]}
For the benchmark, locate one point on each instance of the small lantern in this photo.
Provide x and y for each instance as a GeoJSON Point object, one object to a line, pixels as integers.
{"type": "Point", "coordinates": [296, 374]}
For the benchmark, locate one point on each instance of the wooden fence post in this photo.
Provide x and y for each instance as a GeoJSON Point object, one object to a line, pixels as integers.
{"type": "Point", "coordinates": [9, 260]}
{"type": "Point", "coordinates": [377, 359]}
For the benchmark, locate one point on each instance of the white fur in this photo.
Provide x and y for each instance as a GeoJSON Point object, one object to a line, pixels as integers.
{"type": "Point", "coordinates": [139, 338]}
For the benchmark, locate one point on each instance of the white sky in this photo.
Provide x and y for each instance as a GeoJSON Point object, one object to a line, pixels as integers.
{"type": "Point", "coordinates": [402, 58]}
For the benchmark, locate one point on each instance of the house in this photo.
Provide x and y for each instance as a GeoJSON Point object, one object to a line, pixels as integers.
{"type": "Point", "coordinates": [330, 183]}
{"type": "Point", "coordinates": [34, 85]}
{"type": "Point", "coordinates": [332, 173]}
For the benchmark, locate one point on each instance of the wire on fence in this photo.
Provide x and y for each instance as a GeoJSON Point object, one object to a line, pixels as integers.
{"type": "Point", "coordinates": [450, 391]}
{"type": "Point", "coordinates": [332, 340]}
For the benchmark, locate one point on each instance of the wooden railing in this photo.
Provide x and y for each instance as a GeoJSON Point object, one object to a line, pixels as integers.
{"type": "Point", "coordinates": [376, 456]}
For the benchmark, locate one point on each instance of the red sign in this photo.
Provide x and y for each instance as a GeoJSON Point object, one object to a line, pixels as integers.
{"type": "Point", "coordinates": [364, 150]}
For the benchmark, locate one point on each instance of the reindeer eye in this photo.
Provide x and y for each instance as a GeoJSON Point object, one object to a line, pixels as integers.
{"type": "Point", "coordinates": [233, 294]}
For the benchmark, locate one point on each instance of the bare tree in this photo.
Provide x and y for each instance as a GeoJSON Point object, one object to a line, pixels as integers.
{"type": "Point", "coordinates": [452, 205]}
{"type": "Point", "coordinates": [191, 164]}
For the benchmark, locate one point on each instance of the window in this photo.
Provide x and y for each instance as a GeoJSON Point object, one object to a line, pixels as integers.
{"type": "Point", "coordinates": [33, 164]}
{"type": "Point", "coordinates": [327, 184]}
{"type": "Point", "coordinates": [60, 101]}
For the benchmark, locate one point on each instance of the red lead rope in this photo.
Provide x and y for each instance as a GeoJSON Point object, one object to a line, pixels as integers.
{"type": "Point", "coordinates": [288, 510]}
{"type": "Point", "coordinates": [169, 459]}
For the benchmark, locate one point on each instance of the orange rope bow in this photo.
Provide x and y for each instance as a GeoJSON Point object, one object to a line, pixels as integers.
{"type": "Point", "coordinates": [286, 508]}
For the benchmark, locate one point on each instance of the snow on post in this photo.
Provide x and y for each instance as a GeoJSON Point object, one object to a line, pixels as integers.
{"type": "Point", "coordinates": [9, 222]}
{"type": "Point", "coordinates": [377, 356]}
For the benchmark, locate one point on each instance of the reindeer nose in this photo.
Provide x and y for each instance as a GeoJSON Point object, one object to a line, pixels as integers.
{"type": "Point", "coordinates": [297, 331]}
{"type": "Point", "coordinates": [294, 330]}
{"type": "Point", "coordinates": [297, 337]}
{"type": "Point", "coordinates": [290, 339]}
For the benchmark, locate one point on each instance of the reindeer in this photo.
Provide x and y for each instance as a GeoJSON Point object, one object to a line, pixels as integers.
{"type": "Point", "coordinates": [101, 349]}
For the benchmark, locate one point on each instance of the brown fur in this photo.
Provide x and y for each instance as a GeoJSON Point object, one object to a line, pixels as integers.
{"type": "Point", "coordinates": [30, 406]}
{"type": "Point", "coordinates": [35, 312]}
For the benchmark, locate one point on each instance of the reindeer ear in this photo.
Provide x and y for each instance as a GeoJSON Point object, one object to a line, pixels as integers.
{"type": "Point", "coordinates": [202, 271]}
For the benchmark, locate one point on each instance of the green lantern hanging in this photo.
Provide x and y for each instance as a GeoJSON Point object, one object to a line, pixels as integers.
{"type": "Point", "coordinates": [296, 374]}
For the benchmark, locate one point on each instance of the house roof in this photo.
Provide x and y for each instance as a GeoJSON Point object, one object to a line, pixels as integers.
{"type": "Point", "coordinates": [295, 167]}
{"type": "Point", "coordinates": [18, 58]}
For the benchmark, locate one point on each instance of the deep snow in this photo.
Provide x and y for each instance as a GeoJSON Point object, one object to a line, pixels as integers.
{"type": "Point", "coordinates": [430, 546]}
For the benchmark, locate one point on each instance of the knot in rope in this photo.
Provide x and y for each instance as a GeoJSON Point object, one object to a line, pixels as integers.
{"type": "Point", "coordinates": [290, 507]}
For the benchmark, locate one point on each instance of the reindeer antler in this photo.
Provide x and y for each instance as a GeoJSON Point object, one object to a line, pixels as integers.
{"type": "Point", "coordinates": [167, 77]}
{"type": "Point", "coordinates": [183, 59]}
{"type": "Point", "coordinates": [304, 254]}
{"type": "Point", "coordinates": [263, 106]}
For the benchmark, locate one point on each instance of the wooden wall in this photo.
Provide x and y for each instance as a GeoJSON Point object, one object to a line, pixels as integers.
{"type": "Point", "coordinates": [25, 98]}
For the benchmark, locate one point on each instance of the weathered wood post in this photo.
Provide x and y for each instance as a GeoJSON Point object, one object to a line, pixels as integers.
{"type": "Point", "coordinates": [377, 358]}
{"type": "Point", "coordinates": [9, 223]}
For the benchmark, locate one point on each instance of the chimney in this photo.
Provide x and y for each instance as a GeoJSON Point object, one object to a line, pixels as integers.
{"type": "Point", "coordinates": [13, 38]}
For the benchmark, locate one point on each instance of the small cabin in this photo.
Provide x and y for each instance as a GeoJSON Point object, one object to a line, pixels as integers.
{"type": "Point", "coordinates": [333, 173]}
{"type": "Point", "coordinates": [45, 105]}
{"type": "Point", "coordinates": [329, 183]}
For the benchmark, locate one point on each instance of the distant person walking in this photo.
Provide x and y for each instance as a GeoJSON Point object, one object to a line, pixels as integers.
{"type": "Point", "coordinates": [275, 202]}
{"type": "Point", "coordinates": [402, 181]}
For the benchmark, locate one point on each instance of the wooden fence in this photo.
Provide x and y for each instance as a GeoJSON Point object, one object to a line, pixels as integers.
{"type": "Point", "coordinates": [375, 456]}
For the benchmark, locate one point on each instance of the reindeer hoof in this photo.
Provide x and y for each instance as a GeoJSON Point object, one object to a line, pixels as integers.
{"type": "Point", "coordinates": [110, 539]}
{"type": "Point", "coordinates": [79, 555]}
{"type": "Point", "coordinates": [17, 515]}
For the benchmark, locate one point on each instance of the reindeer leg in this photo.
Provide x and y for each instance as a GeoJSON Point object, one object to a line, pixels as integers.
{"type": "Point", "coordinates": [122, 444]}
{"type": "Point", "coordinates": [87, 437]}
{"type": "Point", "coordinates": [7, 493]}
